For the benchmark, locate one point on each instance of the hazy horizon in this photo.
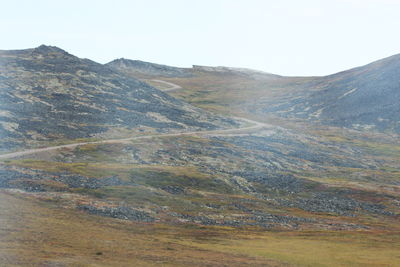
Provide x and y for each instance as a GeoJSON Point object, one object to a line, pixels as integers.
{"type": "Point", "coordinates": [311, 38]}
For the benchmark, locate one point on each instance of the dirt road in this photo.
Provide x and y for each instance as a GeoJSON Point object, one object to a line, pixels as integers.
{"type": "Point", "coordinates": [228, 132]}
{"type": "Point", "coordinates": [171, 86]}
{"type": "Point", "coordinates": [256, 125]}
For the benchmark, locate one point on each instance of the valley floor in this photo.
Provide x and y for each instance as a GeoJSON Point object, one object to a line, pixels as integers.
{"type": "Point", "coordinates": [37, 233]}
{"type": "Point", "coordinates": [222, 199]}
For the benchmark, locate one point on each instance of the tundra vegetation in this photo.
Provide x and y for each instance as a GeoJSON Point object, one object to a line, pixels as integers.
{"type": "Point", "coordinates": [303, 189]}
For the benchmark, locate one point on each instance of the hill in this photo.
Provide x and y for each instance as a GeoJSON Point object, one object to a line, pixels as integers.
{"type": "Point", "coordinates": [142, 68]}
{"type": "Point", "coordinates": [366, 97]}
{"type": "Point", "coordinates": [128, 175]}
{"type": "Point", "coordinates": [50, 95]}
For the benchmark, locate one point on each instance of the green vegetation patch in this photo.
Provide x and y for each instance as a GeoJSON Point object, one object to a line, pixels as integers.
{"type": "Point", "coordinates": [160, 178]}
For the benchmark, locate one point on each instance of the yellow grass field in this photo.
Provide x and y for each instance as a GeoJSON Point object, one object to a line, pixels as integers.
{"type": "Point", "coordinates": [35, 233]}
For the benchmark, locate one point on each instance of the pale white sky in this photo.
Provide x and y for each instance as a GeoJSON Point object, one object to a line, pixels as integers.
{"type": "Point", "coordinates": [287, 37]}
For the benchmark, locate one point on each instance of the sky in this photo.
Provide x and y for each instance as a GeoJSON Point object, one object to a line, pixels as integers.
{"type": "Point", "coordinates": [286, 37]}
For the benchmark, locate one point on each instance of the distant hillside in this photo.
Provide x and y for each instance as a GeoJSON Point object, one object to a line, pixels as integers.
{"type": "Point", "coordinates": [250, 73]}
{"type": "Point", "coordinates": [366, 98]}
{"type": "Point", "coordinates": [139, 68]}
{"type": "Point", "coordinates": [142, 69]}
{"type": "Point", "coordinates": [49, 95]}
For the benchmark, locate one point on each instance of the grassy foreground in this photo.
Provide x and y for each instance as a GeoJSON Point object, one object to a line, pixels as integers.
{"type": "Point", "coordinates": [36, 233]}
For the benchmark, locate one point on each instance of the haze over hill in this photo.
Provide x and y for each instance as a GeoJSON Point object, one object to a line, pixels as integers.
{"type": "Point", "coordinates": [366, 97]}
{"type": "Point", "coordinates": [245, 138]}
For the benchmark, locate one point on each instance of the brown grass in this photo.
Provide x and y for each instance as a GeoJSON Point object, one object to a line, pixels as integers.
{"type": "Point", "coordinates": [36, 233]}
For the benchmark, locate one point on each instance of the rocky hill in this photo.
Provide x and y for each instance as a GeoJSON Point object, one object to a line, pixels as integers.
{"type": "Point", "coordinates": [49, 95]}
{"type": "Point", "coordinates": [366, 97]}
{"type": "Point", "coordinates": [142, 68]}
{"type": "Point", "coordinates": [278, 182]}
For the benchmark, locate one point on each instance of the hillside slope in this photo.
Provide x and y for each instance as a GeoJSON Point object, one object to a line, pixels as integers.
{"type": "Point", "coordinates": [366, 97]}
{"type": "Point", "coordinates": [142, 68]}
{"type": "Point", "coordinates": [50, 95]}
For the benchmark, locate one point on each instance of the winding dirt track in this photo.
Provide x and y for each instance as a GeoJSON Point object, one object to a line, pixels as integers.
{"type": "Point", "coordinates": [171, 87]}
{"type": "Point", "coordinates": [256, 125]}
